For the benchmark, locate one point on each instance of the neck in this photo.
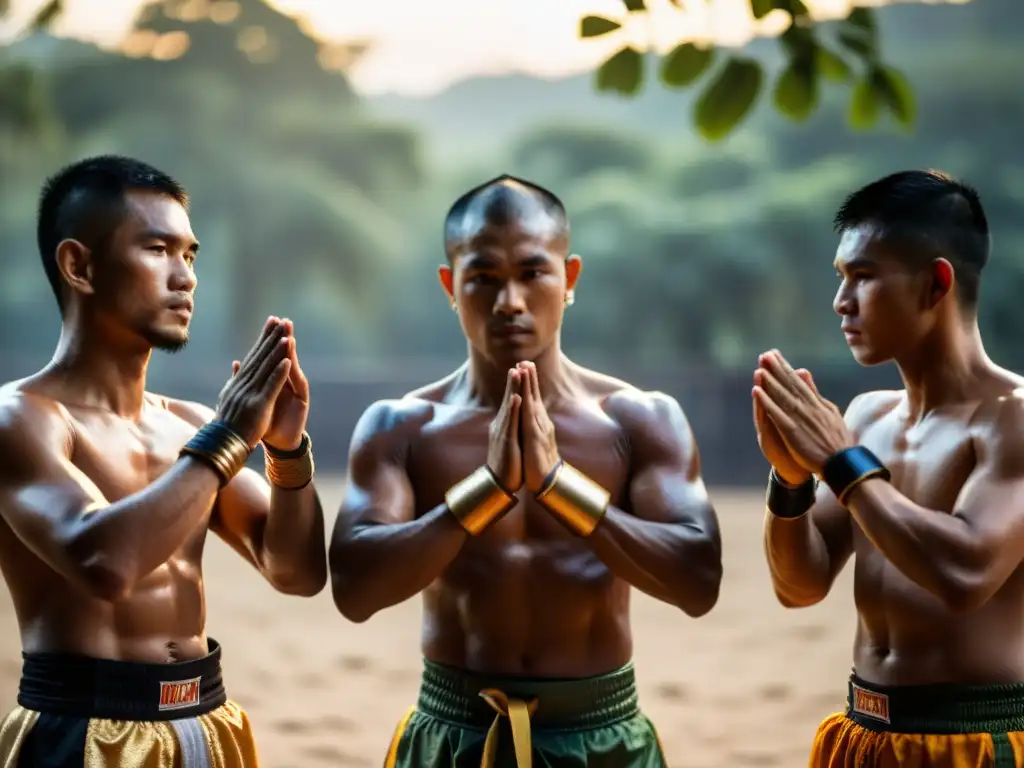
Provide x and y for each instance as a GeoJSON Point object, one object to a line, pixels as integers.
{"type": "Point", "coordinates": [944, 368]}
{"type": "Point", "coordinates": [487, 379]}
{"type": "Point", "coordinates": [107, 375]}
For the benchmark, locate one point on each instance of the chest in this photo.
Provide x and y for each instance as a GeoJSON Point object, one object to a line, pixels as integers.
{"type": "Point", "coordinates": [122, 457]}
{"type": "Point", "coordinates": [929, 461]}
{"type": "Point", "coordinates": [455, 443]}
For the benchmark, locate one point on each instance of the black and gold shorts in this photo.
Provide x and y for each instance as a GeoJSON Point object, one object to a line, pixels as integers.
{"type": "Point", "coordinates": [75, 711]}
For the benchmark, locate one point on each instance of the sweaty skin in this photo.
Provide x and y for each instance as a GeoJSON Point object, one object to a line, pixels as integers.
{"type": "Point", "coordinates": [526, 597]}
{"type": "Point", "coordinates": [938, 581]}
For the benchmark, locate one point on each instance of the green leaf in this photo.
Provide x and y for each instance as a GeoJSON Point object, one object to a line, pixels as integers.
{"type": "Point", "coordinates": [729, 98]}
{"type": "Point", "coordinates": [595, 26]}
{"type": "Point", "coordinates": [46, 15]}
{"type": "Point", "coordinates": [761, 8]}
{"type": "Point", "coordinates": [685, 64]}
{"type": "Point", "coordinates": [796, 90]}
{"type": "Point", "coordinates": [794, 8]}
{"type": "Point", "coordinates": [623, 73]}
{"type": "Point", "coordinates": [5, 6]}
{"type": "Point", "coordinates": [634, 5]}
{"type": "Point", "coordinates": [857, 41]}
{"type": "Point", "coordinates": [864, 105]}
{"type": "Point", "coordinates": [798, 42]}
{"type": "Point", "coordinates": [894, 92]}
{"type": "Point", "coordinates": [863, 18]}
{"type": "Point", "coordinates": [832, 66]}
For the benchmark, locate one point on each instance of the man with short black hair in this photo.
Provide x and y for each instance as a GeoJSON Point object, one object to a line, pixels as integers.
{"type": "Point", "coordinates": [924, 485]}
{"type": "Point", "coordinates": [523, 495]}
{"type": "Point", "coordinates": [107, 491]}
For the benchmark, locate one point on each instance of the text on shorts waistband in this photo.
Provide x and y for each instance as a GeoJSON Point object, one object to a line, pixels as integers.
{"type": "Point", "coordinates": [82, 686]}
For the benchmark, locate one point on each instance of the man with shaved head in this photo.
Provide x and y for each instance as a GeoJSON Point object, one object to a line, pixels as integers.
{"type": "Point", "coordinates": [523, 495]}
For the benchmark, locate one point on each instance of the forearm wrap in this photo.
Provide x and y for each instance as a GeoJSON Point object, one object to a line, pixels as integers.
{"type": "Point", "coordinates": [478, 500]}
{"type": "Point", "coordinates": [219, 446]}
{"type": "Point", "coordinates": [290, 470]}
{"type": "Point", "coordinates": [849, 468]}
{"type": "Point", "coordinates": [574, 498]}
{"type": "Point", "coordinates": [786, 501]}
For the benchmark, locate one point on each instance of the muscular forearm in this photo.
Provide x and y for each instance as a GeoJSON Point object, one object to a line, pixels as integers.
{"type": "Point", "coordinates": [294, 556]}
{"type": "Point", "coordinates": [376, 566]}
{"type": "Point", "coordinates": [798, 560]}
{"type": "Point", "coordinates": [933, 549]}
{"type": "Point", "coordinates": [675, 563]}
{"type": "Point", "coordinates": [120, 543]}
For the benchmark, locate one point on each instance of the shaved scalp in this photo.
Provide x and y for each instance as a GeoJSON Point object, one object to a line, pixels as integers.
{"type": "Point", "coordinates": [500, 202]}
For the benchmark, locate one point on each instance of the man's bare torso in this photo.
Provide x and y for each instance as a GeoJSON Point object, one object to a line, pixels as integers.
{"type": "Point", "coordinates": [162, 619]}
{"type": "Point", "coordinates": [906, 635]}
{"type": "Point", "coordinates": [526, 597]}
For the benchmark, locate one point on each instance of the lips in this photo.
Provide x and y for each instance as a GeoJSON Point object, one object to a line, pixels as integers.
{"type": "Point", "coordinates": [508, 331]}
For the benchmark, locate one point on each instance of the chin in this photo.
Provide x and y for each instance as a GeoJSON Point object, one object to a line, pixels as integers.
{"type": "Point", "coordinates": [869, 357]}
{"type": "Point", "coordinates": [168, 340]}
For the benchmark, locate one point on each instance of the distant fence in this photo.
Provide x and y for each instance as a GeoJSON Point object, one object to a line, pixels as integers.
{"type": "Point", "coordinates": [717, 404]}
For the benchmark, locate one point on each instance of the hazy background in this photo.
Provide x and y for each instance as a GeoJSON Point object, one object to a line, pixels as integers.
{"type": "Point", "coordinates": [323, 149]}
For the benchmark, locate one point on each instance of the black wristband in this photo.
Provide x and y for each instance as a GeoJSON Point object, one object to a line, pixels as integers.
{"type": "Point", "coordinates": [849, 468]}
{"type": "Point", "coordinates": [787, 502]}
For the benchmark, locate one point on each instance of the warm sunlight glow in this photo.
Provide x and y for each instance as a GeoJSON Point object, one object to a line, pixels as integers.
{"type": "Point", "coordinates": [418, 47]}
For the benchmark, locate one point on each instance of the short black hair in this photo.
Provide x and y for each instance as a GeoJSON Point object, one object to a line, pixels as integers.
{"type": "Point", "coordinates": [86, 201]}
{"type": "Point", "coordinates": [932, 211]}
{"type": "Point", "coordinates": [499, 201]}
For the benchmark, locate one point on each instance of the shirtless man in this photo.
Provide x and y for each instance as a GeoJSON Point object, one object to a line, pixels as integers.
{"type": "Point", "coordinates": [459, 491]}
{"type": "Point", "coordinates": [924, 485]}
{"type": "Point", "coordinates": [107, 492]}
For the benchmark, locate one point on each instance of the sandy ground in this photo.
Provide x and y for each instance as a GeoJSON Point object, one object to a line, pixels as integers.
{"type": "Point", "coordinates": [744, 686]}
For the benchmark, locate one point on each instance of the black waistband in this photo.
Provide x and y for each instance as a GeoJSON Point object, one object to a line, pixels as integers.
{"type": "Point", "coordinates": [453, 695]}
{"type": "Point", "coordinates": [939, 709]}
{"type": "Point", "coordinates": [81, 686]}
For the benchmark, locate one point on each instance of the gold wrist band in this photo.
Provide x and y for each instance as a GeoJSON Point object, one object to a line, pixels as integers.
{"type": "Point", "coordinates": [574, 499]}
{"type": "Point", "coordinates": [290, 470]}
{"type": "Point", "coordinates": [219, 446]}
{"type": "Point", "coordinates": [478, 500]}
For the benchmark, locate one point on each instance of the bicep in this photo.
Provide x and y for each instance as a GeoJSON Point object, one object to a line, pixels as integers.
{"type": "Point", "coordinates": [45, 499]}
{"type": "Point", "coordinates": [835, 526]}
{"type": "Point", "coordinates": [378, 490]}
{"type": "Point", "coordinates": [666, 486]}
{"type": "Point", "coordinates": [990, 515]}
{"type": "Point", "coordinates": [240, 514]}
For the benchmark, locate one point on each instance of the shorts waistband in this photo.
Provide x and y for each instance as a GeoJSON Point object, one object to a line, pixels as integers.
{"type": "Point", "coordinates": [82, 686]}
{"type": "Point", "coordinates": [936, 709]}
{"type": "Point", "coordinates": [453, 694]}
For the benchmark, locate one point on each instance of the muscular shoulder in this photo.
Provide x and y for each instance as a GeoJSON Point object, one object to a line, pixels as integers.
{"type": "Point", "coordinates": [867, 408]}
{"type": "Point", "coordinates": [389, 425]}
{"type": "Point", "coordinates": [31, 426]}
{"type": "Point", "coordinates": [650, 419]}
{"type": "Point", "coordinates": [999, 422]}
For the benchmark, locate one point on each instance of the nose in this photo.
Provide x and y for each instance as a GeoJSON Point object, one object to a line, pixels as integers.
{"type": "Point", "coordinates": [843, 303]}
{"type": "Point", "coordinates": [183, 277]}
{"type": "Point", "coordinates": [511, 299]}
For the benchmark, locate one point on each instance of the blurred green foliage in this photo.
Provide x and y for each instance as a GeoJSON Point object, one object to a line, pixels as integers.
{"type": "Point", "coordinates": [848, 52]}
{"type": "Point", "coordinates": [317, 204]}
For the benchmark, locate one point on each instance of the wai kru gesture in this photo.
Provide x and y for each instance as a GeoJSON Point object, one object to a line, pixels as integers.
{"type": "Point", "coordinates": [523, 451]}
{"type": "Point", "coordinates": [802, 434]}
